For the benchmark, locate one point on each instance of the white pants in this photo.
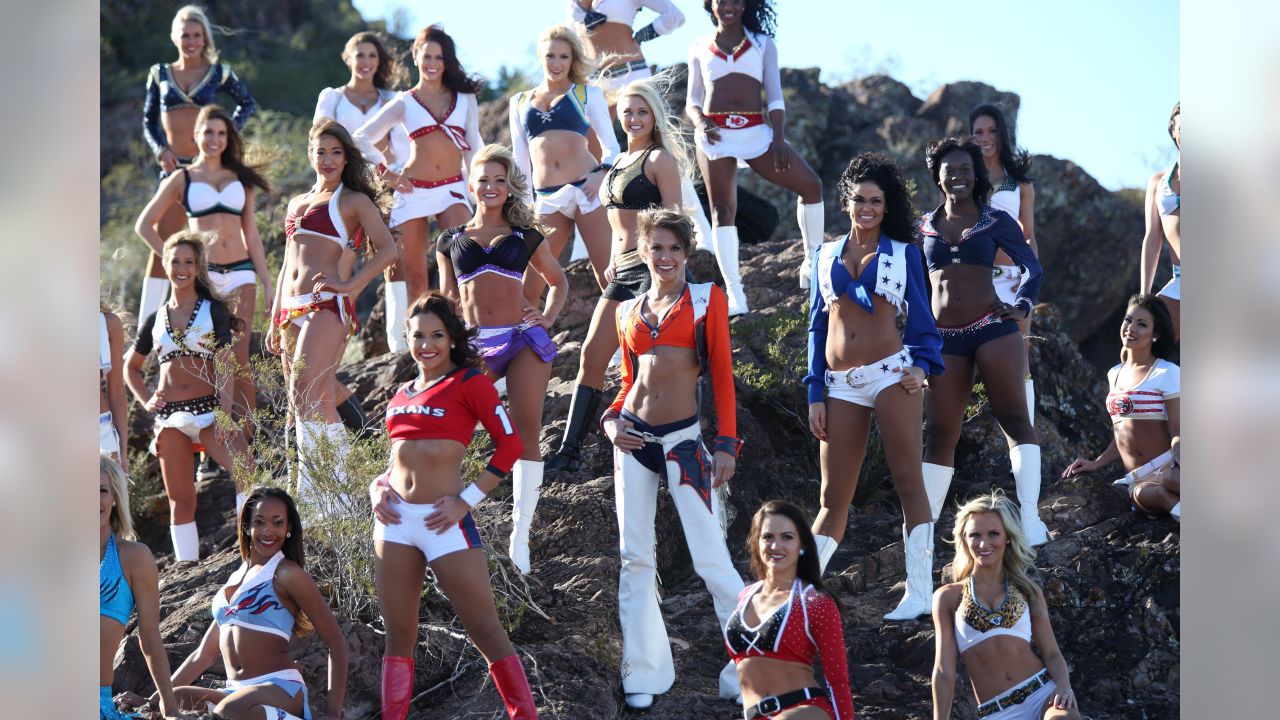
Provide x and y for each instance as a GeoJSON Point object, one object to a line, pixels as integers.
{"type": "Point", "coordinates": [427, 202]}
{"type": "Point", "coordinates": [646, 652]}
{"type": "Point", "coordinates": [108, 439]}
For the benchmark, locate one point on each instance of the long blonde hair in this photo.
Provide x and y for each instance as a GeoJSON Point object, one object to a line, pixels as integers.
{"type": "Point", "coordinates": [1019, 557]}
{"type": "Point", "coordinates": [121, 520]}
{"type": "Point", "coordinates": [195, 13]}
{"type": "Point", "coordinates": [666, 127]}
{"type": "Point", "coordinates": [581, 68]}
{"type": "Point", "coordinates": [515, 210]}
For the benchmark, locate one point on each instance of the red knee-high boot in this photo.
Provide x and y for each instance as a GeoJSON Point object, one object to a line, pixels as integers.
{"type": "Point", "coordinates": [397, 687]}
{"type": "Point", "coordinates": [513, 686]}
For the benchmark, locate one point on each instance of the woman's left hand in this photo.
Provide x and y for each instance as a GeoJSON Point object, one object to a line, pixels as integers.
{"type": "Point", "coordinates": [1064, 699]}
{"type": "Point", "coordinates": [131, 699]}
{"type": "Point", "coordinates": [1010, 312]}
{"type": "Point", "coordinates": [534, 315]}
{"type": "Point", "coordinates": [781, 154]}
{"type": "Point", "coordinates": [449, 511]}
{"type": "Point", "coordinates": [912, 379]}
{"type": "Point", "coordinates": [324, 284]}
{"type": "Point", "coordinates": [722, 467]}
{"type": "Point", "coordinates": [591, 188]}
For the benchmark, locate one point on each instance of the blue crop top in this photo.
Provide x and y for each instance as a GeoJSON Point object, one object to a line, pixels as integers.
{"type": "Point", "coordinates": [995, 229]}
{"type": "Point", "coordinates": [508, 257]}
{"type": "Point", "coordinates": [115, 597]}
{"type": "Point", "coordinates": [254, 604]}
{"type": "Point", "coordinates": [896, 275]}
{"type": "Point", "coordinates": [567, 113]}
{"type": "Point", "coordinates": [163, 95]}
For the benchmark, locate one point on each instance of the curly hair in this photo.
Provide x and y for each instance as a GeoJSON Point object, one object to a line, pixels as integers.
{"type": "Point", "coordinates": [758, 16]}
{"type": "Point", "coordinates": [233, 155]}
{"type": "Point", "coordinates": [1163, 342]}
{"type": "Point", "coordinates": [1019, 557]}
{"type": "Point", "coordinates": [899, 213]}
{"type": "Point", "coordinates": [939, 149]}
{"type": "Point", "coordinates": [463, 353]}
{"type": "Point", "coordinates": [357, 174]}
{"type": "Point", "coordinates": [808, 565]}
{"type": "Point", "coordinates": [455, 78]}
{"type": "Point", "coordinates": [1014, 160]}
{"type": "Point", "coordinates": [292, 547]}
{"type": "Point", "coordinates": [515, 210]}
{"type": "Point", "coordinates": [390, 73]}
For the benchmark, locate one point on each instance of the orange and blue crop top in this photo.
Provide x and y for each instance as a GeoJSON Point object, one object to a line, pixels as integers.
{"type": "Point", "coordinates": [803, 629]}
{"type": "Point", "coordinates": [1146, 400]}
{"type": "Point", "coordinates": [974, 622]}
{"type": "Point", "coordinates": [704, 329]}
{"type": "Point", "coordinates": [449, 410]}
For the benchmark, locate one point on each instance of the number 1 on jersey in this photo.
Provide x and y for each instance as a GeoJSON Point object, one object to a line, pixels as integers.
{"type": "Point", "coordinates": [501, 412]}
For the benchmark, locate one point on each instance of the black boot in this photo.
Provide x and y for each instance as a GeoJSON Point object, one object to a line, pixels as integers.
{"type": "Point", "coordinates": [353, 417]}
{"type": "Point", "coordinates": [584, 411]}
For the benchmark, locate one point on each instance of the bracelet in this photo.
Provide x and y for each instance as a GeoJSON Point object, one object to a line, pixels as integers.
{"type": "Point", "coordinates": [472, 495]}
{"type": "Point", "coordinates": [601, 167]}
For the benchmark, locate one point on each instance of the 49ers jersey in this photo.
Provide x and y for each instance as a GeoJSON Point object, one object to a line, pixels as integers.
{"type": "Point", "coordinates": [449, 409]}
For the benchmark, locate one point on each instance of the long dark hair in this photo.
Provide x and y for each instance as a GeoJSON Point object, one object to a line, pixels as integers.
{"type": "Point", "coordinates": [939, 149]}
{"type": "Point", "coordinates": [808, 566]}
{"type": "Point", "coordinates": [442, 306]}
{"type": "Point", "coordinates": [390, 73]}
{"type": "Point", "coordinates": [292, 547]}
{"type": "Point", "coordinates": [1163, 344]}
{"type": "Point", "coordinates": [198, 241]}
{"type": "Point", "coordinates": [233, 154]}
{"type": "Point", "coordinates": [1015, 160]}
{"type": "Point", "coordinates": [899, 215]}
{"type": "Point", "coordinates": [454, 78]}
{"type": "Point", "coordinates": [357, 175]}
{"type": "Point", "coordinates": [758, 16]}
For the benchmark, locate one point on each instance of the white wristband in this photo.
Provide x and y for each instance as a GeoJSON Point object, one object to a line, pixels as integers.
{"type": "Point", "coordinates": [472, 495]}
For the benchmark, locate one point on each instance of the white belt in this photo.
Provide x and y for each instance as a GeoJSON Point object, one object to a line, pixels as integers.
{"type": "Point", "coordinates": [864, 375]}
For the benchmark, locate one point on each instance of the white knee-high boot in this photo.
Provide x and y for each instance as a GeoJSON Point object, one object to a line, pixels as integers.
{"type": "Point", "coordinates": [917, 546]}
{"type": "Point", "coordinates": [308, 434]}
{"type": "Point", "coordinates": [154, 292]}
{"type": "Point", "coordinates": [826, 548]}
{"type": "Point", "coordinates": [1176, 511]}
{"type": "Point", "coordinates": [725, 239]}
{"type": "Point", "coordinates": [811, 219]}
{"type": "Point", "coordinates": [937, 480]}
{"type": "Point", "coordinates": [526, 485]}
{"type": "Point", "coordinates": [1026, 475]}
{"type": "Point", "coordinates": [396, 296]}
{"type": "Point", "coordinates": [275, 713]}
{"type": "Point", "coordinates": [186, 541]}
{"type": "Point", "coordinates": [701, 228]}
{"type": "Point", "coordinates": [1031, 401]}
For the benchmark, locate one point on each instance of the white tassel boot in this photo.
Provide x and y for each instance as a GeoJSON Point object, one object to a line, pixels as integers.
{"type": "Point", "coordinates": [396, 297]}
{"type": "Point", "coordinates": [1025, 460]}
{"type": "Point", "coordinates": [526, 485]}
{"type": "Point", "coordinates": [812, 221]}
{"type": "Point", "coordinates": [826, 548]}
{"type": "Point", "coordinates": [186, 542]}
{"type": "Point", "coordinates": [725, 240]}
{"type": "Point", "coordinates": [154, 292]}
{"type": "Point", "coordinates": [917, 546]}
{"type": "Point", "coordinates": [937, 480]}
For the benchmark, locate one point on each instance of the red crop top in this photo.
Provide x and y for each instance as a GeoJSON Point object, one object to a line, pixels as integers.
{"type": "Point", "coordinates": [801, 630]}
{"type": "Point", "coordinates": [708, 335]}
{"type": "Point", "coordinates": [449, 410]}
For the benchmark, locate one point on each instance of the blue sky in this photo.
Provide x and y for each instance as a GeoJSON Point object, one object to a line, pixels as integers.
{"type": "Point", "coordinates": [1097, 79]}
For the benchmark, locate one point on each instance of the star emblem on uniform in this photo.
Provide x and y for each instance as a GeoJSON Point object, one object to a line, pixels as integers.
{"type": "Point", "coordinates": [884, 367]}
{"type": "Point", "coordinates": [888, 263]}
{"type": "Point", "coordinates": [898, 285]}
{"type": "Point", "coordinates": [884, 279]}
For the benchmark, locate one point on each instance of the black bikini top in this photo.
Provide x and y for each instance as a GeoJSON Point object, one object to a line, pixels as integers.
{"type": "Point", "coordinates": [628, 188]}
{"type": "Point", "coordinates": [508, 256]}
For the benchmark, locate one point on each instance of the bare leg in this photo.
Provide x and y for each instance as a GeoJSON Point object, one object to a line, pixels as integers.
{"type": "Point", "coordinates": [527, 378]}
{"type": "Point", "coordinates": [595, 231]}
{"type": "Point", "coordinates": [1175, 313]}
{"type": "Point", "coordinates": [177, 468]}
{"type": "Point", "coordinates": [246, 703]}
{"type": "Point", "coordinates": [412, 264]}
{"type": "Point", "coordinates": [399, 571]}
{"type": "Point", "coordinates": [944, 407]}
{"type": "Point", "coordinates": [1002, 366]}
{"type": "Point", "coordinates": [849, 425]}
{"type": "Point", "coordinates": [315, 359]}
{"type": "Point", "coordinates": [798, 178]}
{"type": "Point", "coordinates": [464, 578]}
{"type": "Point", "coordinates": [246, 394]}
{"type": "Point", "coordinates": [601, 342]}
{"type": "Point", "coordinates": [898, 414]}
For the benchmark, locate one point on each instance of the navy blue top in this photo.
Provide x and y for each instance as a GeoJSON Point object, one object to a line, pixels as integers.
{"type": "Point", "coordinates": [897, 275]}
{"type": "Point", "coordinates": [566, 113]}
{"type": "Point", "coordinates": [996, 229]}
{"type": "Point", "coordinates": [163, 95]}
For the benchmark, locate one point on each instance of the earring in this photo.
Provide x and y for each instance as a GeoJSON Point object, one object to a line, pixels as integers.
{"type": "Point", "coordinates": [288, 535]}
{"type": "Point", "coordinates": [453, 346]}
{"type": "Point", "coordinates": [801, 551]}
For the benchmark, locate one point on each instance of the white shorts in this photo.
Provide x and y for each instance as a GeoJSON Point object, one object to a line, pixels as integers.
{"type": "Point", "coordinates": [1007, 280]}
{"type": "Point", "coordinates": [108, 439]}
{"type": "Point", "coordinates": [1172, 289]}
{"type": "Point", "coordinates": [413, 531]}
{"type": "Point", "coordinates": [190, 423]}
{"type": "Point", "coordinates": [1031, 707]}
{"type": "Point", "coordinates": [743, 143]}
{"type": "Point", "coordinates": [861, 385]}
{"type": "Point", "coordinates": [226, 283]}
{"type": "Point", "coordinates": [1138, 474]}
{"type": "Point", "coordinates": [428, 202]}
{"type": "Point", "coordinates": [568, 200]}
{"type": "Point", "coordinates": [613, 84]}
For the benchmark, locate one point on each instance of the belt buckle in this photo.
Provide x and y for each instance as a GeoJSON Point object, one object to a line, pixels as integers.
{"type": "Point", "coordinates": [848, 377]}
{"type": "Point", "coordinates": [768, 706]}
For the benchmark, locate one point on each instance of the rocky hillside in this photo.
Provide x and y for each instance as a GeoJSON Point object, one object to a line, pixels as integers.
{"type": "Point", "coordinates": [1110, 575]}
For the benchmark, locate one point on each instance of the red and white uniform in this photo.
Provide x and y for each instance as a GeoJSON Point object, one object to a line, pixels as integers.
{"type": "Point", "coordinates": [744, 135]}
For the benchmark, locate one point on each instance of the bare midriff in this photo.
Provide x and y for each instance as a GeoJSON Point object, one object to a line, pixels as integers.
{"type": "Point", "coordinates": [423, 471]}
{"type": "Point", "coordinates": [735, 92]}
{"type": "Point", "coordinates": [962, 293]}
{"type": "Point", "coordinates": [492, 300]}
{"type": "Point", "coordinates": [110, 633]}
{"type": "Point", "coordinates": [762, 677]}
{"type": "Point", "coordinates": [250, 653]}
{"type": "Point", "coordinates": [1141, 441]}
{"type": "Point", "coordinates": [666, 385]}
{"type": "Point", "coordinates": [614, 40]}
{"type": "Point", "coordinates": [433, 157]}
{"type": "Point", "coordinates": [559, 157]}
{"type": "Point", "coordinates": [179, 129]}
{"type": "Point", "coordinates": [998, 664]}
{"type": "Point", "coordinates": [623, 224]}
{"type": "Point", "coordinates": [305, 256]}
{"type": "Point", "coordinates": [856, 337]}
{"type": "Point", "coordinates": [228, 244]}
